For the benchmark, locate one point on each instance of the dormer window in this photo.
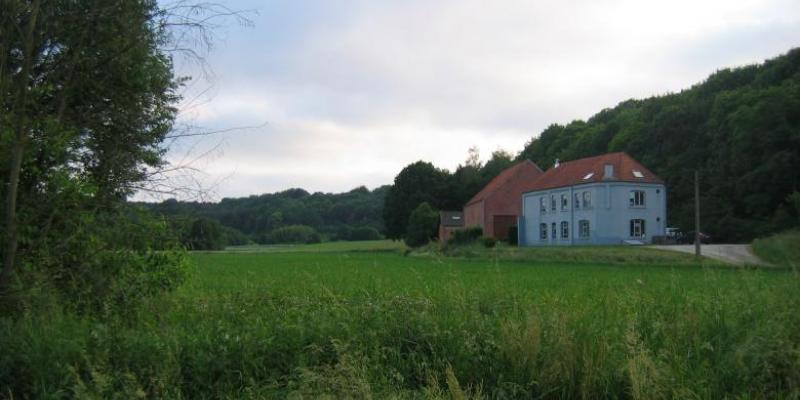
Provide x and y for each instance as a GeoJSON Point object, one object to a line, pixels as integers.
{"type": "Point", "coordinates": [638, 174]}
{"type": "Point", "coordinates": [588, 176]}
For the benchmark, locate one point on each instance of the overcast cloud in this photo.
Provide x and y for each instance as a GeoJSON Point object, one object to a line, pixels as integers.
{"type": "Point", "coordinates": [346, 93]}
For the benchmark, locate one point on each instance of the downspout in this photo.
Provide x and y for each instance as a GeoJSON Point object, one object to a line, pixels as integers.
{"type": "Point", "coordinates": [572, 215]}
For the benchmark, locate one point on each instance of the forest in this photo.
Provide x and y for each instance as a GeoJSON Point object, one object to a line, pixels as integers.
{"type": "Point", "coordinates": [293, 215]}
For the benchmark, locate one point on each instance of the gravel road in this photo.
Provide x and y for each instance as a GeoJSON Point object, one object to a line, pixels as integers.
{"type": "Point", "coordinates": [739, 254]}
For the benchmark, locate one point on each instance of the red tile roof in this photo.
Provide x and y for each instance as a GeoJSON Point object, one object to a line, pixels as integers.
{"type": "Point", "coordinates": [500, 180]}
{"type": "Point", "coordinates": [573, 172]}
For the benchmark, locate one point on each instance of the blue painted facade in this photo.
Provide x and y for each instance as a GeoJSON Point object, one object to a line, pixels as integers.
{"type": "Point", "coordinates": [604, 212]}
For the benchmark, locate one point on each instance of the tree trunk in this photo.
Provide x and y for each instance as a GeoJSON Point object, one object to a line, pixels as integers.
{"type": "Point", "coordinates": [18, 148]}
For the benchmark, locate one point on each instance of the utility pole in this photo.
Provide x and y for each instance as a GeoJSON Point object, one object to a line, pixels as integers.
{"type": "Point", "coordinates": [696, 213]}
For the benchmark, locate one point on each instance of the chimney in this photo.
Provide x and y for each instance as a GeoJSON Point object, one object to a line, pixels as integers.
{"type": "Point", "coordinates": [556, 164]}
{"type": "Point", "coordinates": [608, 171]}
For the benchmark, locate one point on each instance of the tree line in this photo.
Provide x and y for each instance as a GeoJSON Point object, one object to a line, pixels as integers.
{"type": "Point", "coordinates": [293, 215]}
{"type": "Point", "coordinates": [740, 128]}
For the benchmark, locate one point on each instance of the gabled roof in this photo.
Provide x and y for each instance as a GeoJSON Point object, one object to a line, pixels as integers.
{"type": "Point", "coordinates": [500, 180]}
{"type": "Point", "coordinates": [451, 218]}
{"type": "Point", "coordinates": [591, 169]}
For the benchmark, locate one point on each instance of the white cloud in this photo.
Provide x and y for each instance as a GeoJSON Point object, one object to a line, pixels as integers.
{"type": "Point", "coordinates": [355, 93]}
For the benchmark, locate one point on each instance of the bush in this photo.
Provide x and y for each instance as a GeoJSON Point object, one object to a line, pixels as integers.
{"type": "Point", "coordinates": [109, 264]}
{"type": "Point", "coordinates": [488, 241]}
{"type": "Point", "coordinates": [466, 236]}
{"type": "Point", "coordinates": [295, 234]}
{"type": "Point", "coordinates": [513, 238]}
{"type": "Point", "coordinates": [364, 233]}
{"type": "Point", "coordinates": [422, 225]}
{"type": "Point", "coordinates": [204, 234]}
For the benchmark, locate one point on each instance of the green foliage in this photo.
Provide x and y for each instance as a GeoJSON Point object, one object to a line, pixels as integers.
{"type": "Point", "coordinates": [295, 234]}
{"type": "Point", "coordinates": [740, 128]}
{"type": "Point", "coordinates": [422, 225]}
{"type": "Point", "coordinates": [488, 241]}
{"type": "Point", "coordinates": [466, 235]}
{"type": "Point", "coordinates": [417, 183]}
{"type": "Point", "coordinates": [253, 218]}
{"type": "Point", "coordinates": [513, 235]}
{"type": "Point", "coordinates": [109, 262]}
{"type": "Point", "coordinates": [781, 249]}
{"type": "Point", "coordinates": [365, 233]}
{"type": "Point", "coordinates": [87, 97]}
{"type": "Point", "coordinates": [205, 234]}
{"type": "Point", "coordinates": [380, 325]}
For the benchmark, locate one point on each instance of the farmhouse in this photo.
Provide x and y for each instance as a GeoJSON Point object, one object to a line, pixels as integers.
{"type": "Point", "coordinates": [607, 199]}
{"type": "Point", "coordinates": [497, 206]}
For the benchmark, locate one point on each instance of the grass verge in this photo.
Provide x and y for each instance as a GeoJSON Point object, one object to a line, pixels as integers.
{"type": "Point", "coordinates": [782, 249]}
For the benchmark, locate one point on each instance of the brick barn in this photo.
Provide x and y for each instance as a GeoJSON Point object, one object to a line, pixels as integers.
{"type": "Point", "coordinates": [498, 205]}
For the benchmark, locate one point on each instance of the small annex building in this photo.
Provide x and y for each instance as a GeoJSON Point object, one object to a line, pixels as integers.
{"type": "Point", "coordinates": [606, 199]}
{"type": "Point", "coordinates": [497, 206]}
{"type": "Point", "coordinates": [449, 221]}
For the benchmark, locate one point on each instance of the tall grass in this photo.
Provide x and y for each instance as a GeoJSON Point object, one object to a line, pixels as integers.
{"type": "Point", "coordinates": [380, 325]}
{"type": "Point", "coordinates": [782, 249]}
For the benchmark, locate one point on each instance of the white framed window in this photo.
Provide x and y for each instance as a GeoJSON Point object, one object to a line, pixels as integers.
{"type": "Point", "coordinates": [555, 232]}
{"type": "Point", "coordinates": [587, 199]}
{"type": "Point", "coordinates": [576, 201]}
{"type": "Point", "coordinates": [542, 204]}
{"type": "Point", "coordinates": [543, 231]}
{"type": "Point", "coordinates": [564, 202]}
{"type": "Point", "coordinates": [637, 198]}
{"type": "Point", "coordinates": [553, 202]}
{"type": "Point", "coordinates": [637, 228]}
{"type": "Point", "coordinates": [583, 228]}
{"type": "Point", "coordinates": [638, 174]}
{"type": "Point", "coordinates": [564, 230]}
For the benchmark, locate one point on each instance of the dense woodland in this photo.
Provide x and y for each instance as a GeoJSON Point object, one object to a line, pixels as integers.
{"type": "Point", "coordinates": [354, 215]}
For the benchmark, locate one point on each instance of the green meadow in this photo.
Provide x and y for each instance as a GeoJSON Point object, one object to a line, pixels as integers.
{"type": "Point", "coordinates": [372, 321]}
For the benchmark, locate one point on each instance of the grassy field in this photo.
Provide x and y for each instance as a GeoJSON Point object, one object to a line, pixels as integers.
{"type": "Point", "coordinates": [353, 323]}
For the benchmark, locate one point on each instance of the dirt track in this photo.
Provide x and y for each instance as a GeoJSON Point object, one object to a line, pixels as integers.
{"type": "Point", "coordinates": [739, 254]}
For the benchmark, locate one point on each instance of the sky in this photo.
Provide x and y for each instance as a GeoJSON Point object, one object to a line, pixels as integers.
{"type": "Point", "coordinates": [331, 95]}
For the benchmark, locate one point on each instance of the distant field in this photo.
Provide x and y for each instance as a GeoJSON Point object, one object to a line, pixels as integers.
{"type": "Point", "coordinates": [504, 323]}
{"type": "Point", "coordinates": [369, 245]}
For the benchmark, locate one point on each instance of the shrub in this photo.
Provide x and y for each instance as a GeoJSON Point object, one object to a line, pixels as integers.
{"type": "Point", "coordinates": [205, 234]}
{"type": "Point", "coordinates": [109, 264]}
{"type": "Point", "coordinates": [295, 234]}
{"type": "Point", "coordinates": [488, 241]}
{"type": "Point", "coordinates": [364, 233]}
{"type": "Point", "coordinates": [466, 236]}
{"type": "Point", "coordinates": [513, 235]}
{"type": "Point", "coordinates": [422, 225]}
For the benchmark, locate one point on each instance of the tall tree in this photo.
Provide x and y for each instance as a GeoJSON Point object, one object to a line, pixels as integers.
{"type": "Point", "coordinates": [86, 99]}
{"type": "Point", "coordinates": [416, 183]}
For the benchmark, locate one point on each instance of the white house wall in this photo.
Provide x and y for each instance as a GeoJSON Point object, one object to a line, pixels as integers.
{"type": "Point", "coordinates": [609, 215]}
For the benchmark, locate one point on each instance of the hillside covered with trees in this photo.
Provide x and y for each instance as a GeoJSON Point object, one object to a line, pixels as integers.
{"type": "Point", "coordinates": [740, 128]}
{"type": "Point", "coordinates": [292, 215]}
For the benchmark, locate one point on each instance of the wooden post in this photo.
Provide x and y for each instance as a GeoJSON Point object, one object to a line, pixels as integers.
{"type": "Point", "coordinates": [696, 213]}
